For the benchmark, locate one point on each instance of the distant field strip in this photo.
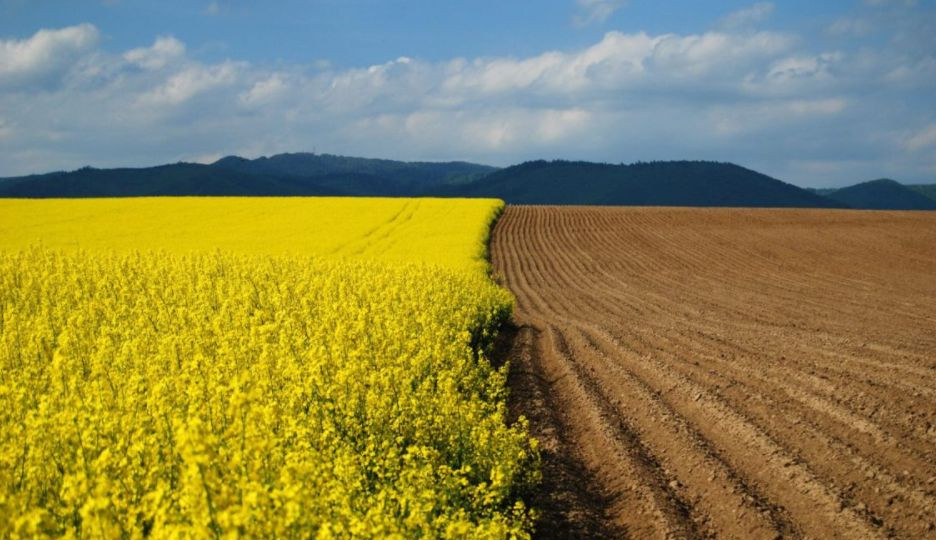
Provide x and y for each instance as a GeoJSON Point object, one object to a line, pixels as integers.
{"type": "Point", "coordinates": [437, 231]}
{"type": "Point", "coordinates": [701, 373]}
{"type": "Point", "coordinates": [208, 368]}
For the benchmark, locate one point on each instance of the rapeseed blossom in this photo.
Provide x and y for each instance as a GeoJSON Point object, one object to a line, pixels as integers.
{"type": "Point", "coordinates": [148, 393]}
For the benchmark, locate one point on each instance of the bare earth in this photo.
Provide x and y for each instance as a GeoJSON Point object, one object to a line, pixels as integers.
{"type": "Point", "coordinates": [729, 373]}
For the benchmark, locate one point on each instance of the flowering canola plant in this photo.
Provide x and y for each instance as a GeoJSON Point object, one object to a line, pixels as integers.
{"type": "Point", "coordinates": [289, 386]}
{"type": "Point", "coordinates": [444, 232]}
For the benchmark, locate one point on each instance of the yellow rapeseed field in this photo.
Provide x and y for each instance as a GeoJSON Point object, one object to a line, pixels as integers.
{"type": "Point", "coordinates": [445, 232]}
{"type": "Point", "coordinates": [262, 368]}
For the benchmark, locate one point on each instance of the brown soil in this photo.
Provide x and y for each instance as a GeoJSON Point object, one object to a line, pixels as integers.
{"type": "Point", "coordinates": [726, 373]}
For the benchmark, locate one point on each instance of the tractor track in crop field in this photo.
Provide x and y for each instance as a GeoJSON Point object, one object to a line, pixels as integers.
{"type": "Point", "coordinates": [725, 373]}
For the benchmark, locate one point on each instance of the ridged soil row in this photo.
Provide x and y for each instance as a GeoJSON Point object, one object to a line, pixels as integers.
{"type": "Point", "coordinates": [727, 373]}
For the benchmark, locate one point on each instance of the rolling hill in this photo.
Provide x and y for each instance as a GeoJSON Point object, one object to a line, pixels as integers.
{"type": "Point", "coordinates": [403, 176]}
{"type": "Point", "coordinates": [883, 194]}
{"type": "Point", "coordinates": [283, 175]}
{"type": "Point", "coordinates": [174, 179]}
{"type": "Point", "coordinates": [661, 183]}
{"type": "Point", "coordinates": [666, 183]}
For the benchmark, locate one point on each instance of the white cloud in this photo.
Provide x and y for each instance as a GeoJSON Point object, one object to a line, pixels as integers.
{"type": "Point", "coordinates": [165, 49]}
{"type": "Point", "coordinates": [515, 127]}
{"type": "Point", "coordinates": [190, 82]}
{"type": "Point", "coordinates": [618, 61]}
{"type": "Point", "coordinates": [596, 11]}
{"type": "Point", "coordinates": [748, 16]}
{"type": "Point", "coordinates": [45, 55]}
{"type": "Point", "coordinates": [266, 90]}
{"type": "Point", "coordinates": [760, 98]}
{"type": "Point", "coordinates": [506, 129]}
{"type": "Point", "coordinates": [717, 52]}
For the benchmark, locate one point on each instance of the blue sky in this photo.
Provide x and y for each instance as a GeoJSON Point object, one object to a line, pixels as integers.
{"type": "Point", "coordinates": [815, 93]}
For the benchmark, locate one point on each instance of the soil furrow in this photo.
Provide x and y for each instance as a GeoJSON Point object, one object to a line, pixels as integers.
{"type": "Point", "coordinates": [725, 373]}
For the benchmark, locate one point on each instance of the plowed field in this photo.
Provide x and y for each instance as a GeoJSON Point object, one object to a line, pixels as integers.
{"type": "Point", "coordinates": [697, 373]}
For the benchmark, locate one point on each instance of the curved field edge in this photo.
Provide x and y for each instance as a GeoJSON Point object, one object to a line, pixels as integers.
{"type": "Point", "coordinates": [207, 394]}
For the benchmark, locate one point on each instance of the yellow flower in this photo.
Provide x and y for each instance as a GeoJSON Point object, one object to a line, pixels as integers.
{"type": "Point", "coordinates": [296, 374]}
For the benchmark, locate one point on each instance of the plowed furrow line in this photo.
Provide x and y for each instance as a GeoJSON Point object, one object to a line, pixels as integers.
{"type": "Point", "coordinates": [691, 465]}
{"type": "Point", "coordinates": [807, 399]}
{"type": "Point", "coordinates": [695, 335]}
{"type": "Point", "coordinates": [573, 502]}
{"type": "Point", "coordinates": [838, 462]}
{"type": "Point", "coordinates": [750, 450]}
{"type": "Point", "coordinates": [811, 390]}
{"type": "Point", "coordinates": [794, 304]}
{"type": "Point", "coordinates": [790, 402]}
{"type": "Point", "coordinates": [797, 394]}
{"type": "Point", "coordinates": [726, 373]}
{"type": "Point", "coordinates": [647, 507]}
{"type": "Point", "coordinates": [820, 396]}
{"type": "Point", "coordinates": [735, 263]}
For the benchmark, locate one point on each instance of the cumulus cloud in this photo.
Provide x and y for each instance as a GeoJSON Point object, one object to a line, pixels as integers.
{"type": "Point", "coordinates": [48, 54]}
{"type": "Point", "coordinates": [497, 130]}
{"type": "Point", "coordinates": [764, 99]}
{"type": "Point", "coordinates": [266, 90]}
{"type": "Point", "coordinates": [188, 83]}
{"type": "Point", "coordinates": [618, 60]}
{"type": "Point", "coordinates": [165, 50]}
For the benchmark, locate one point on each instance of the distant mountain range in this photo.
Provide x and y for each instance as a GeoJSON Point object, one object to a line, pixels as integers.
{"type": "Point", "coordinates": [669, 183]}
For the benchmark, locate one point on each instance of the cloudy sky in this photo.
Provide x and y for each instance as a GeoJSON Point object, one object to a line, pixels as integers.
{"type": "Point", "coordinates": [814, 93]}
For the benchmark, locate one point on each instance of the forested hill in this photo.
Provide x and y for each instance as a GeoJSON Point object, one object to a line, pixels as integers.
{"type": "Point", "coordinates": [664, 183]}
{"type": "Point", "coordinates": [175, 179]}
{"type": "Point", "coordinates": [661, 183]}
{"type": "Point", "coordinates": [283, 174]}
{"type": "Point", "coordinates": [410, 176]}
{"type": "Point", "coordinates": [884, 194]}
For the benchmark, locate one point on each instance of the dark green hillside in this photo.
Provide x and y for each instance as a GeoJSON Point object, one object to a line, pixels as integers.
{"type": "Point", "coordinates": [665, 183]}
{"type": "Point", "coordinates": [407, 176]}
{"type": "Point", "coordinates": [927, 190]}
{"type": "Point", "coordinates": [282, 175]}
{"type": "Point", "coordinates": [670, 183]}
{"type": "Point", "coordinates": [175, 179]}
{"type": "Point", "coordinates": [883, 194]}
